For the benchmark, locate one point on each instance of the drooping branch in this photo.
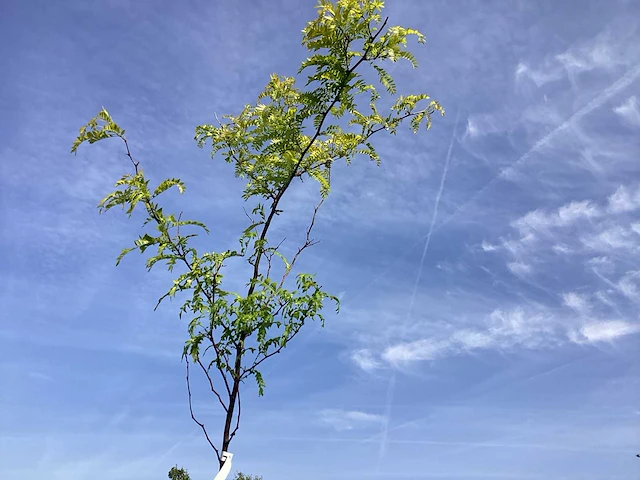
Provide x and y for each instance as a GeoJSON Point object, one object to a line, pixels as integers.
{"type": "Point", "coordinates": [218, 355]}
{"type": "Point", "coordinates": [193, 417]}
{"type": "Point", "coordinates": [211, 386]}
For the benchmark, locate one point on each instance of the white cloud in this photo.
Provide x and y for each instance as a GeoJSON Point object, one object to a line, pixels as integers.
{"type": "Point", "coordinates": [349, 419]}
{"type": "Point", "coordinates": [365, 360]}
{"type": "Point", "coordinates": [614, 237]}
{"type": "Point", "coordinates": [488, 247]}
{"type": "Point", "coordinates": [562, 249]}
{"type": "Point", "coordinates": [605, 331]}
{"type": "Point", "coordinates": [600, 53]}
{"type": "Point", "coordinates": [518, 327]}
{"type": "Point", "coordinates": [425, 349]}
{"type": "Point", "coordinates": [629, 285]}
{"type": "Point", "coordinates": [599, 261]}
{"type": "Point", "coordinates": [538, 76]}
{"type": "Point", "coordinates": [576, 301]}
{"type": "Point", "coordinates": [605, 52]}
{"type": "Point", "coordinates": [574, 211]}
{"type": "Point", "coordinates": [624, 201]}
{"type": "Point", "coordinates": [504, 329]}
{"type": "Point", "coordinates": [629, 111]}
{"type": "Point", "coordinates": [486, 124]}
{"type": "Point", "coordinates": [605, 299]}
{"type": "Point", "coordinates": [472, 339]}
{"type": "Point", "coordinates": [519, 268]}
{"type": "Point", "coordinates": [514, 328]}
{"type": "Point", "coordinates": [603, 228]}
{"type": "Point", "coordinates": [538, 220]}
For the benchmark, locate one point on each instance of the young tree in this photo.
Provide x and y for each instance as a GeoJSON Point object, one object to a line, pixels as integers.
{"type": "Point", "coordinates": [290, 133]}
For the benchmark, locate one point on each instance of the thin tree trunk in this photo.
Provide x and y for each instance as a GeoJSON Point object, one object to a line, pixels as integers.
{"type": "Point", "coordinates": [226, 440]}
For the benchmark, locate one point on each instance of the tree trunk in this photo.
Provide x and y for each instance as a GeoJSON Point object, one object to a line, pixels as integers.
{"type": "Point", "coordinates": [226, 440]}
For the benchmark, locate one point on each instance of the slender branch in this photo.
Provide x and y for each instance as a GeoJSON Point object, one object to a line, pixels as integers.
{"type": "Point", "coordinates": [403, 117]}
{"type": "Point", "coordinates": [218, 355]}
{"type": "Point", "coordinates": [126, 144]}
{"type": "Point", "coordinates": [200, 424]}
{"type": "Point", "coordinates": [247, 214]}
{"type": "Point", "coordinates": [174, 247]}
{"type": "Point", "coordinates": [256, 362]}
{"type": "Point", "coordinates": [308, 243]}
{"type": "Point", "coordinates": [272, 252]}
{"type": "Point", "coordinates": [212, 339]}
{"type": "Point", "coordinates": [206, 372]}
{"type": "Point", "coordinates": [178, 226]}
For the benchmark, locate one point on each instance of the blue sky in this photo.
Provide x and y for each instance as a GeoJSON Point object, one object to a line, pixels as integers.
{"type": "Point", "coordinates": [488, 269]}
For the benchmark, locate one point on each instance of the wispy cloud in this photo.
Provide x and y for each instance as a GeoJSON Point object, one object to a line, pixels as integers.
{"type": "Point", "coordinates": [583, 227]}
{"type": "Point", "coordinates": [540, 76]}
{"type": "Point", "coordinates": [624, 200]}
{"type": "Point", "coordinates": [41, 376]}
{"type": "Point", "coordinates": [365, 360]}
{"type": "Point", "coordinates": [342, 420]}
{"type": "Point", "coordinates": [516, 328]}
{"type": "Point", "coordinates": [576, 301]}
{"type": "Point", "coordinates": [629, 111]}
{"type": "Point", "coordinates": [539, 221]}
{"type": "Point", "coordinates": [519, 268]}
{"type": "Point", "coordinates": [605, 331]}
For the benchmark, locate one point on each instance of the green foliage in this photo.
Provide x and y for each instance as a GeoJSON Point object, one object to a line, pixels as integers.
{"type": "Point", "coordinates": [178, 474]}
{"type": "Point", "coordinates": [242, 476]}
{"type": "Point", "coordinates": [98, 128]}
{"type": "Point", "coordinates": [290, 133]}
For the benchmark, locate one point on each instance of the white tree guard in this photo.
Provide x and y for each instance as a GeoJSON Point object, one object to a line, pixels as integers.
{"type": "Point", "coordinates": [226, 466]}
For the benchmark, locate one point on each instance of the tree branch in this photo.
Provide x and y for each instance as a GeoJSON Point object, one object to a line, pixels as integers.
{"type": "Point", "coordinates": [318, 132]}
{"type": "Point", "coordinates": [308, 243]}
{"type": "Point", "coordinates": [257, 362]}
{"type": "Point", "coordinates": [403, 117]}
{"type": "Point", "coordinates": [206, 372]}
{"type": "Point", "coordinates": [193, 417]}
{"type": "Point", "coordinates": [126, 144]}
{"type": "Point", "coordinates": [218, 355]}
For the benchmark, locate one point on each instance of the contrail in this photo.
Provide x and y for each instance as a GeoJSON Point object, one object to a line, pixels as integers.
{"type": "Point", "coordinates": [599, 100]}
{"type": "Point", "coordinates": [434, 217]}
{"type": "Point", "coordinates": [497, 443]}
{"type": "Point", "coordinates": [392, 380]}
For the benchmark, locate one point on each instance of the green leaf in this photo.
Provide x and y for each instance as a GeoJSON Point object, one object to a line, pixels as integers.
{"type": "Point", "coordinates": [167, 184]}
{"type": "Point", "coordinates": [385, 79]}
{"type": "Point", "coordinates": [259, 382]}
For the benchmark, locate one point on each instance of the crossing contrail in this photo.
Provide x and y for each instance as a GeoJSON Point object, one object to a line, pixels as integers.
{"type": "Point", "coordinates": [615, 88]}
{"type": "Point", "coordinates": [596, 102]}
